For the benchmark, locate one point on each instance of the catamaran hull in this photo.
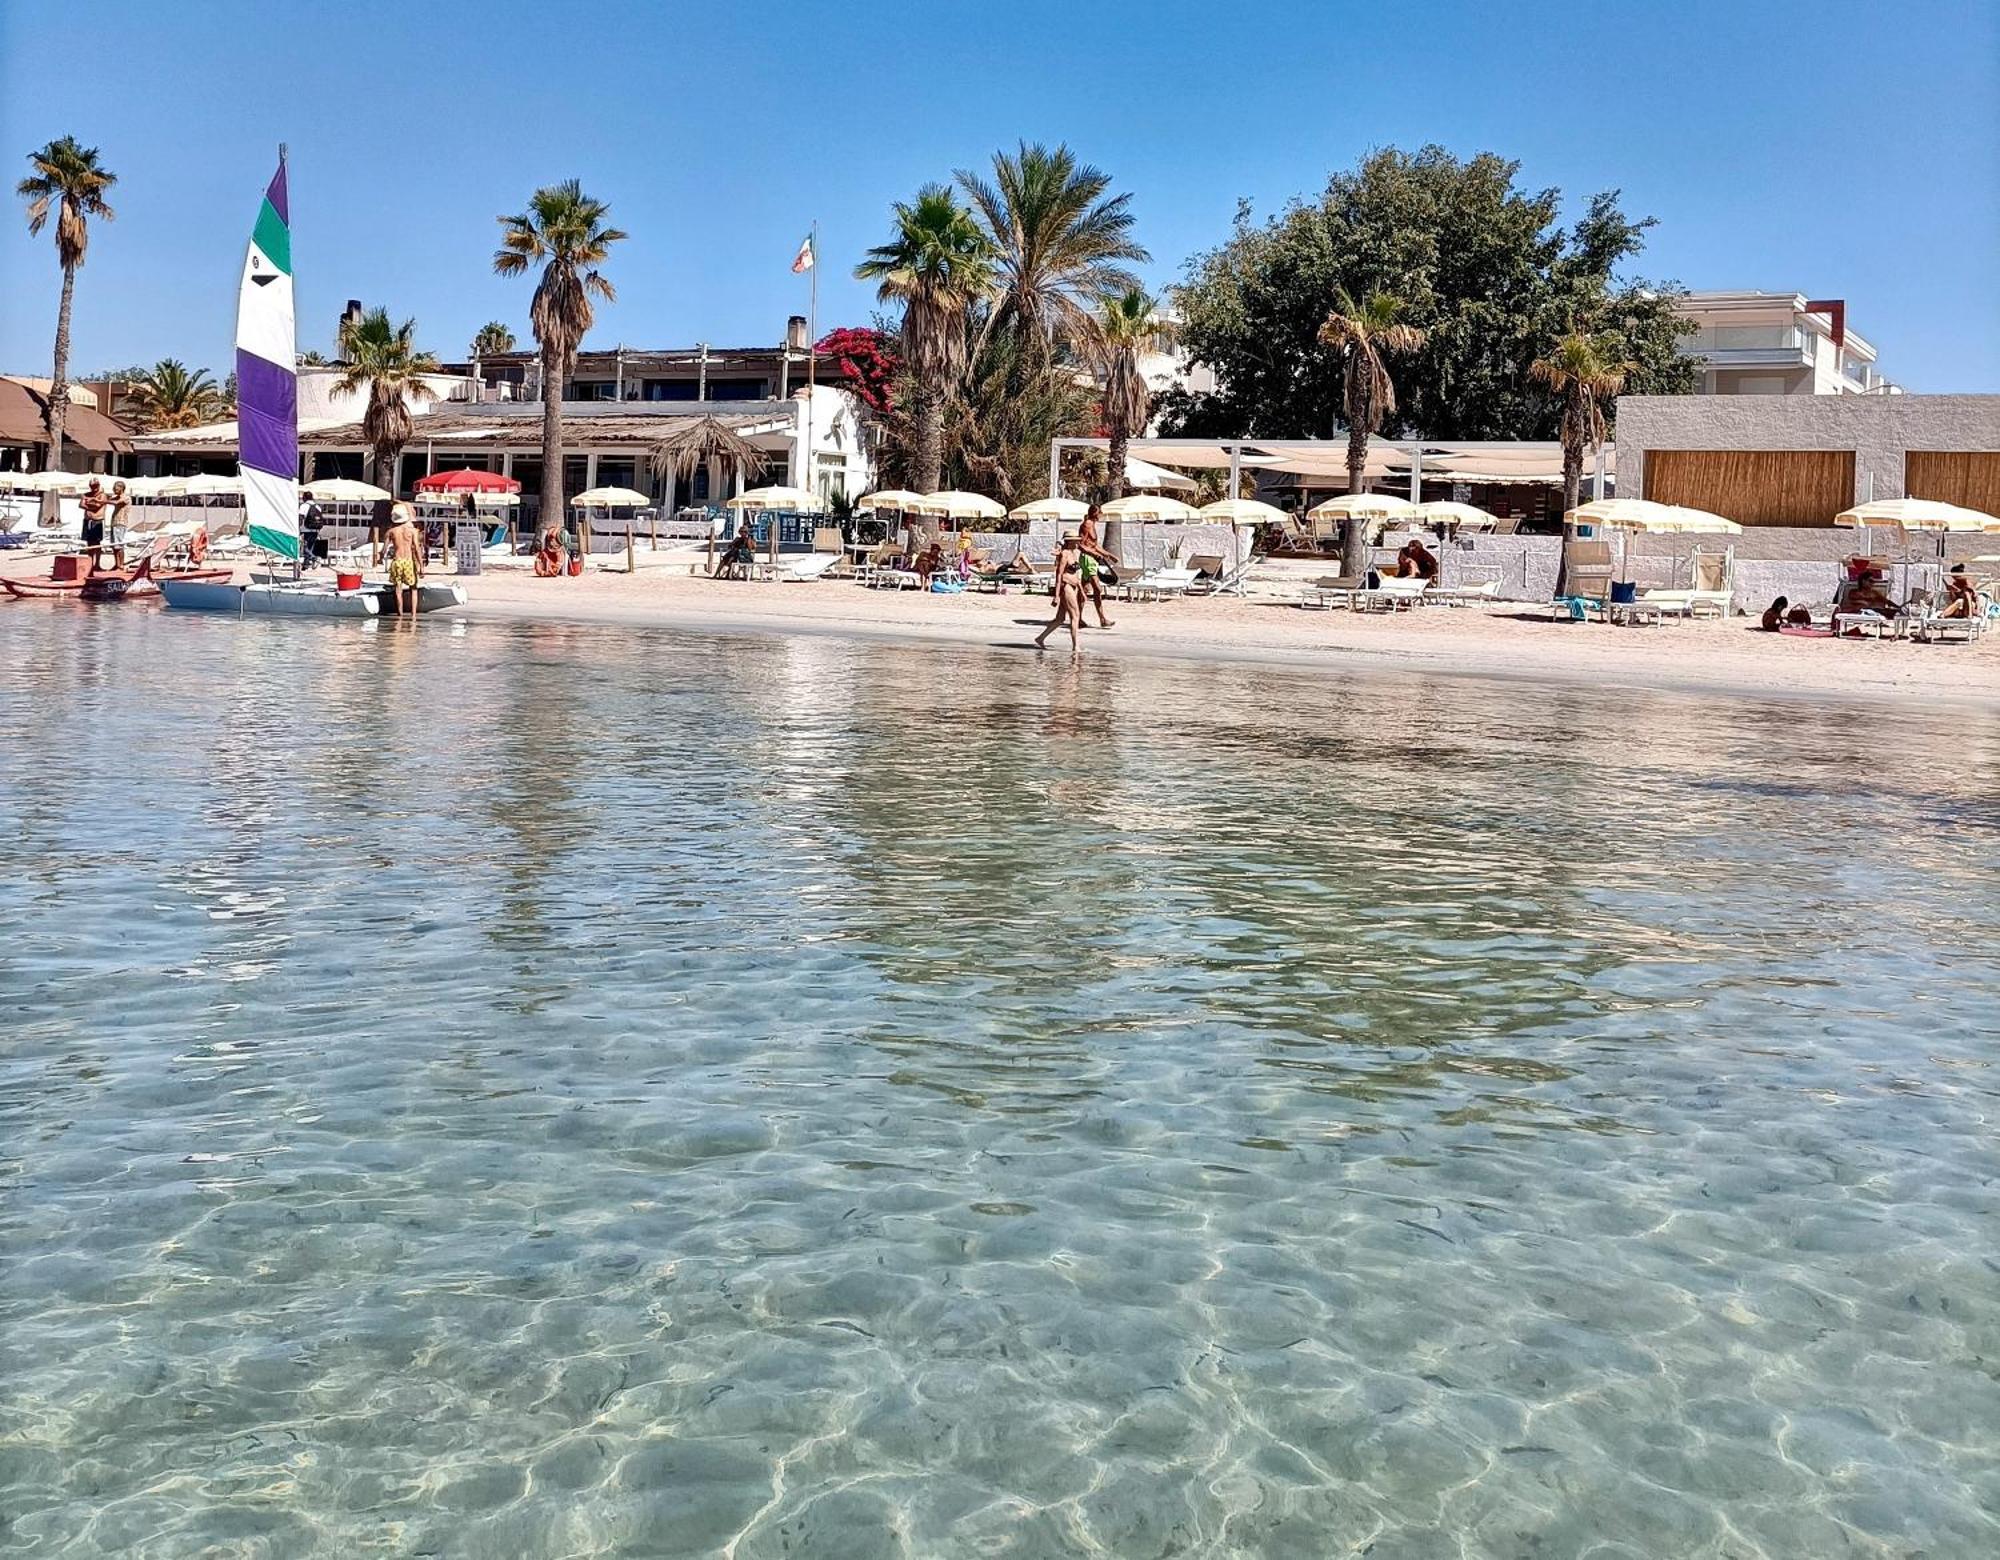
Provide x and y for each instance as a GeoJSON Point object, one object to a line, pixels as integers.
{"type": "Point", "coordinates": [270, 600]}
{"type": "Point", "coordinates": [430, 598]}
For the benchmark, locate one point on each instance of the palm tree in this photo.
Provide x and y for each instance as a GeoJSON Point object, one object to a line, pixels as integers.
{"type": "Point", "coordinates": [1126, 326]}
{"type": "Point", "coordinates": [492, 339]}
{"type": "Point", "coordinates": [564, 231]}
{"type": "Point", "coordinates": [383, 358]}
{"type": "Point", "coordinates": [1585, 371]}
{"type": "Point", "coordinates": [170, 395]}
{"type": "Point", "coordinates": [69, 181]}
{"type": "Point", "coordinates": [1363, 333]}
{"type": "Point", "coordinates": [937, 267]}
{"type": "Point", "coordinates": [1060, 244]}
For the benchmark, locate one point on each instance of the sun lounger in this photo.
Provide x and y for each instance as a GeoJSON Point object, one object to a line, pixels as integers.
{"type": "Point", "coordinates": [1332, 590]}
{"type": "Point", "coordinates": [1862, 624]}
{"type": "Point", "coordinates": [1160, 583]}
{"type": "Point", "coordinates": [1393, 595]}
{"type": "Point", "coordinates": [1466, 595]}
{"type": "Point", "coordinates": [1224, 579]}
{"type": "Point", "coordinates": [803, 566]}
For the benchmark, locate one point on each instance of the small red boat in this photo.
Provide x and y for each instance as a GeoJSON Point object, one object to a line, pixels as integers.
{"type": "Point", "coordinates": [105, 584]}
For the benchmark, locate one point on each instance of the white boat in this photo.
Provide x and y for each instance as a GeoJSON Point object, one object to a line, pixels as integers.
{"type": "Point", "coordinates": [283, 598]}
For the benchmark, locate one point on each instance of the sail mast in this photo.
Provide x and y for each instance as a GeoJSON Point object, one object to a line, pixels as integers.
{"type": "Point", "coordinates": [267, 394]}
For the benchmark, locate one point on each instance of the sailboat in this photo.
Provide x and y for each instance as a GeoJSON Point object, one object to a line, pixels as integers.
{"type": "Point", "coordinates": [267, 442]}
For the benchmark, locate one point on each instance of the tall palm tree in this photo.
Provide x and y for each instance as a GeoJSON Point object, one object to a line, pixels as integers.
{"type": "Point", "coordinates": [1363, 333]}
{"type": "Point", "coordinates": [937, 267]}
{"type": "Point", "coordinates": [383, 359]}
{"type": "Point", "coordinates": [492, 339]}
{"type": "Point", "coordinates": [170, 395]}
{"type": "Point", "coordinates": [1584, 372]}
{"type": "Point", "coordinates": [1061, 245]}
{"type": "Point", "coordinates": [564, 231]}
{"type": "Point", "coordinates": [1126, 326]}
{"type": "Point", "coordinates": [70, 182]}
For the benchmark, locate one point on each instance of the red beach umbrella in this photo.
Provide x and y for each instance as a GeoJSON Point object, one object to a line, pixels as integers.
{"type": "Point", "coordinates": [467, 482]}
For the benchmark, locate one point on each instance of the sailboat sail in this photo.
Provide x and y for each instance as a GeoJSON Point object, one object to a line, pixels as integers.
{"type": "Point", "coordinates": [267, 395]}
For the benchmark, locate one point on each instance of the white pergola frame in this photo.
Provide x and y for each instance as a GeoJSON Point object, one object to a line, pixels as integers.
{"type": "Point", "coordinates": [1237, 448]}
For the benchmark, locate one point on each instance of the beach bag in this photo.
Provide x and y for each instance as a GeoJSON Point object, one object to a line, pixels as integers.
{"type": "Point", "coordinates": [575, 567]}
{"type": "Point", "coordinates": [1624, 592]}
{"type": "Point", "coordinates": [944, 587]}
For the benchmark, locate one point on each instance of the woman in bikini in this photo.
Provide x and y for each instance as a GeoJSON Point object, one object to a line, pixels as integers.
{"type": "Point", "coordinates": [1067, 589]}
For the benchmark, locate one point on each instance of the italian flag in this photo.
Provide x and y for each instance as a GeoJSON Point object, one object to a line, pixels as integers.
{"type": "Point", "coordinates": [803, 260]}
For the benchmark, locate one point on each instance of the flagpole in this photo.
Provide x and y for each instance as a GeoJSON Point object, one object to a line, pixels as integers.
{"type": "Point", "coordinates": [812, 348]}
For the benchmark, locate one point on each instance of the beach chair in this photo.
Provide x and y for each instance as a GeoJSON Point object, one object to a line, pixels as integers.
{"type": "Point", "coordinates": [1922, 620]}
{"type": "Point", "coordinates": [1333, 590]}
{"type": "Point", "coordinates": [1224, 580]}
{"type": "Point", "coordinates": [1587, 569]}
{"type": "Point", "coordinates": [1710, 592]}
{"type": "Point", "coordinates": [1472, 595]}
{"type": "Point", "coordinates": [1393, 595]}
{"type": "Point", "coordinates": [1158, 584]}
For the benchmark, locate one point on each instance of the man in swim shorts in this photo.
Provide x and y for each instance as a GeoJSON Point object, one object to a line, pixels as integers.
{"type": "Point", "coordinates": [405, 544]}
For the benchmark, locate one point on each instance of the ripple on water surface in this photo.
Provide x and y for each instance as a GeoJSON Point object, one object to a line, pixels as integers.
{"type": "Point", "coordinates": [545, 1091]}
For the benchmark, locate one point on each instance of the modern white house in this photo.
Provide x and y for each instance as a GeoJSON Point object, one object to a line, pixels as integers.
{"type": "Point", "coordinates": [1765, 343]}
{"type": "Point", "coordinates": [617, 409]}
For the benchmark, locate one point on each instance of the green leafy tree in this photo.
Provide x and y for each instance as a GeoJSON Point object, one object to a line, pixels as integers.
{"type": "Point", "coordinates": [382, 359]}
{"type": "Point", "coordinates": [69, 184]}
{"type": "Point", "coordinates": [1483, 268]}
{"type": "Point", "coordinates": [1127, 325]}
{"type": "Point", "coordinates": [565, 232]}
{"type": "Point", "coordinates": [936, 267]}
{"type": "Point", "coordinates": [171, 395]}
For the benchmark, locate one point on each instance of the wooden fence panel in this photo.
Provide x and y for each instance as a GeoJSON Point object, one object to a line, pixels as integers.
{"type": "Point", "coordinates": [1967, 477]}
{"type": "Point", "coordinates": [1755, 487]}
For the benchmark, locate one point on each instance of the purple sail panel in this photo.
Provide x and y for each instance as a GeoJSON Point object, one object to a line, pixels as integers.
{"type": "Point", "coordinates": [267, 416]}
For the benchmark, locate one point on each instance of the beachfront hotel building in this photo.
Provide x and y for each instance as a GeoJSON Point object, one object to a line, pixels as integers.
{"type": "Point", "coordinates": [619, 404]}
{"type": "Point", "coordinates": [1766, 343]}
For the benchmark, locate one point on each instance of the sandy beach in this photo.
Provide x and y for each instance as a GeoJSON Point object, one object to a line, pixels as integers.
{"type": "Point", "coordinates": [1516, 641]}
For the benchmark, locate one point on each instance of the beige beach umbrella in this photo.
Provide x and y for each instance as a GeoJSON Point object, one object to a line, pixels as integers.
{"type": "Point", "coordinates": [1239, 513]}
{"type": "Point", "coordinates": [954, 504]}
{"type": "Point", "coordinates": [1063, 509]}
{"type": "Point", "coordinates": [1147, 508]}
{"type": "Point", "coordinates": [789, 500]}
{"type": "Point", "coordinates": [1361, 506]}
{"type": "Point", "coordinates": [1445, 512]}
{"type": "Point", "coordinates": [203, 486]}
{"type": "Point", "coordinates": [51, 481]}
{"type": "Point", "coordinates": [1917, 514]}
{"type": "Point", "coordinates": [887, 499]}
{"type": "Point", "coordinates": [1144, 474]}
{"type": "Point", "coordinates": [612, 498]}
{"type": "Point", "coordinates": [343, 490]}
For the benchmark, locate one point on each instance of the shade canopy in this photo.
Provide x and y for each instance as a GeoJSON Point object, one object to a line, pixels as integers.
{"type": "Point", "coordinates": [1051, 509]}
{"type": "Point", "coordinates": [1148, 506]}
{"type": "Point", "coordinates": [47, 481]}
{"type": "Point", "coordinates": [467, 482]}
{"type": "Point", "coordinates": [786, 500]}
{"type": "Point", "coordinates": [479, 500]}
{"type": "Point", "coordinates": [1467, 517]}
{"type": "Point", "coordinates": [1361, 506]}
{"type": "Point", "coordinates": [1144, 474]}
{"type": "Point", "coordinates": [1243, 511]}
{"type": "Point", "coordinates": [888, 498]}
{"type": "Point", "coordinates": [343, 490]}
{"type": "Point", "coordinates": [1917, 514]}
{"type": "Point", "coordinates": [611, 498]}
{"type": "Point", "coordinates": [956, 505]}
{"type": "Point", "coordinates": [1641, 514]}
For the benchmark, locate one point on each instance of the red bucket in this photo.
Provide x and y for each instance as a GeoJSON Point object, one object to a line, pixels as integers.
{"type": "Point", "coordinates": [347, 581]}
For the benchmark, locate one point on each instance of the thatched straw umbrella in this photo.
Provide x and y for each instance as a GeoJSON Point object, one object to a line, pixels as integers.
{"type": "Point", "coordinates": [687, 449]}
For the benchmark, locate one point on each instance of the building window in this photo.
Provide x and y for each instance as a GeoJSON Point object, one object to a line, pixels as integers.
{"type": "Point", "coordinates": [670, 390]}
{"type": "Point", "coordinates": [617, 471]}
{"type": "Point", "coordinates": [739, 389]}
{"type": "Point", "coordinates": [590, 390]}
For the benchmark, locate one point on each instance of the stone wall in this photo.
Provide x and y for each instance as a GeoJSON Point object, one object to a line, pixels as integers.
{"type": "Point", "coordinates": [1878, 428]}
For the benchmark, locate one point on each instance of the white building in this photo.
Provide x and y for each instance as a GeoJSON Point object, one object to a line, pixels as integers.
{"type": "Point", "coordinates": [1762, 343]}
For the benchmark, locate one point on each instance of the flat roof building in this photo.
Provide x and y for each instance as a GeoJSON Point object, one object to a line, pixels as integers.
{"type": "Point", "coordinates": [1765, 343]}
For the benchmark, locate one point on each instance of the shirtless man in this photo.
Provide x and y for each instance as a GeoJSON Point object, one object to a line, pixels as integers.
{"type": "Point", "coordinates": [94, 505]}
{"type": "Point", "coordinates": [1091, 565]}
{"type": "Point", "coordinates": [405, 546]}
{"type": "Point", "coordinates": [117, 517]}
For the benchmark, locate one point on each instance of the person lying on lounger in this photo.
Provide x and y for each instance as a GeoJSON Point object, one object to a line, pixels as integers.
{"type": "Point", "coordinates": [1416, 562]}
{"type": "Point", "coordinates": [1961, 594]}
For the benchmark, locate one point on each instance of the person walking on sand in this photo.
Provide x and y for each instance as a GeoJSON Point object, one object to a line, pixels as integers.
{"type": "Point", "coordinates": [1092, 560]}
{"type": "Point", "coordinates": [405, 544]}
{"type": "Point", "coordinates": [1067, 589]}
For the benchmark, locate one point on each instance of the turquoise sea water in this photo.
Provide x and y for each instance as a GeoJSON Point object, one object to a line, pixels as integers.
{"type": "Point", "coordinates": [540, 1091]}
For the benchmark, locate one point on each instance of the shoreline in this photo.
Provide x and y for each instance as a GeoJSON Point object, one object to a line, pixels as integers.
{"type": "Point", "coordinates": [1511, 644]}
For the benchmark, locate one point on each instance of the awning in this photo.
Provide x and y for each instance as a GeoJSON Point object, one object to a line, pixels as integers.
{"type": "Point", "coordinates": [24, 420]}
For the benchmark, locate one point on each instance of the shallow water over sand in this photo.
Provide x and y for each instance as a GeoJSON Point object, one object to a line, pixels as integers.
{"type": "Point", "coordinates": [542, 1091]}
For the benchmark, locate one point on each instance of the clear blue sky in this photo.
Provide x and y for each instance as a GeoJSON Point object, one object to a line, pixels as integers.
{"type": "Point", "coordinates": [1845, 150]}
